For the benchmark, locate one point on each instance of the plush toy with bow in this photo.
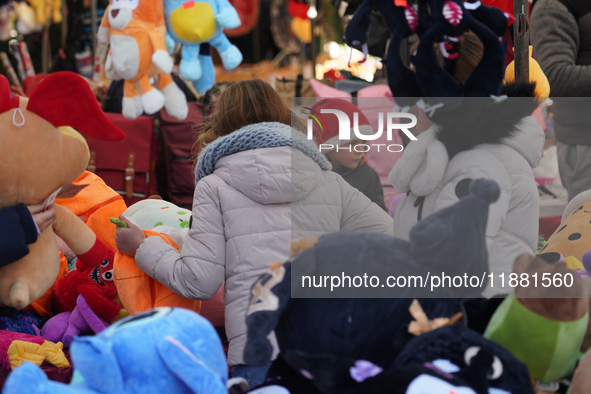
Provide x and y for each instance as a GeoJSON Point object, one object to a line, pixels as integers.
{"type": "Point", "coordinates": [136, 32]}
{"type": "Point", "coordinates": [34, 133]}
{"type": "Point", "coordinates": [332, 345]}
{"type": "Point", "coordinates": [193, 23]}
{"type": "Point", "coordinates": [163, 350]}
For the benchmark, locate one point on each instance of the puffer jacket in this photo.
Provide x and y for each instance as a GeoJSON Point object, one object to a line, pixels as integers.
{"type": "Point", "coordinates": [248, 205]}
{"type": "Point", "coordinates": [512, 227]}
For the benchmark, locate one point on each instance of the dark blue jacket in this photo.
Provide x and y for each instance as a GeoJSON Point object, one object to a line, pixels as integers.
{"type": "Point", "coordinates": [17, 230]}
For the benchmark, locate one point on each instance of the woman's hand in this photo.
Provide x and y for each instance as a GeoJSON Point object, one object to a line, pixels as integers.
{"type": "Point", "coordinates": [129, 239]}
{"type": "Point", "coordinates": [41, 217]}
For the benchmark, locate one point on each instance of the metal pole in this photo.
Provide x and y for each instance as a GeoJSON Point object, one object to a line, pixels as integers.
{"type": "Point", "coordinates": [93, 25]}
{"type": "Point", "coordinates": [521, 44]}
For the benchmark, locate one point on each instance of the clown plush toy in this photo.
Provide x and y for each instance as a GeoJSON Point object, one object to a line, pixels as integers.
{"type": "Point", "coordinates": [136, 32]}
{"type": "Point", "coordinates": [193, 23]}
{"type": "Point", "coordinates": [40, 155]}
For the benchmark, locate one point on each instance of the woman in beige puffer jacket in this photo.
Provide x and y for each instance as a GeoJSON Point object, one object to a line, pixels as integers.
{"type": "Point", "coordinates": [260, 184]}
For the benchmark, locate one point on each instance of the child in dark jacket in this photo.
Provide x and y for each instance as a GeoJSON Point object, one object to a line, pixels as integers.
{"type": "Point", "coordinates": [347, 156]}
{"type": "Point", "coordinates": [19, 226]}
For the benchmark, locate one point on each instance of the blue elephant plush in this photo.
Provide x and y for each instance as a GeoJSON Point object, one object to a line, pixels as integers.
{"type": "Point", "coordinates": [163, 350]}
{"type": "Point", "coordinates": [197, 24]}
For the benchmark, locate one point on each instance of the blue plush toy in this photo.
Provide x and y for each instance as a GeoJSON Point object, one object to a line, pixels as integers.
{"type": "Point", "coordinates": [196, 24]}
{"type": "Point", "coordinates": [159, 351]}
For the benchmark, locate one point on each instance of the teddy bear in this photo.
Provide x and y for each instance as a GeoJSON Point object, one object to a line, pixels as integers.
{"type": "Point", "coordinates": [35, 132]}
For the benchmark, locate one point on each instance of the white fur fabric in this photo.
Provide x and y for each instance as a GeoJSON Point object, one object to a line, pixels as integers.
{"type": "Point", "coordinates": [421, 167]}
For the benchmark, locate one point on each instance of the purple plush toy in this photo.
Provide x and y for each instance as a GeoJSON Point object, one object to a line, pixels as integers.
{"type": "Point", "coordinates": [65, 326]}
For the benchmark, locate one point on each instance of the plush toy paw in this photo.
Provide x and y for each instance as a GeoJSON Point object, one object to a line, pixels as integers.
{"type": "Point", "coordinates": [190, 70]}
{"type": "Point", "coordinates": [152, 101]}
{"type": "Point", "coordinates": [228, 18]}
{"type": "Point", "coordinates": [231, 58]}
{"type": "Point", "coordinates": [161, 59]}
{"type": "Point", "coordinates": [175, 102]}
{"type": "Point", "coordinates": [170, 43]}
{"type": "Point", "coordinates": [131, 108]}
{"type": "Point", "coordinates": [205, 83]}
{"type": "Point", "coordinates": [27, 378]}
{"type": "Point", "coordinates": [103, 36]}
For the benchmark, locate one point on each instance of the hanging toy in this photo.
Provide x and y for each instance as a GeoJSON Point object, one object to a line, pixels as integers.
{"type": "Point", "coordinates": [195, 23]}
{"type": "Point", "coordinates": [136, 33]}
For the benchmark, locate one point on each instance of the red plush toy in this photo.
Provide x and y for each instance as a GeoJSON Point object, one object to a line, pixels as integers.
{"type": "Point", "coordinates": [96, 284]}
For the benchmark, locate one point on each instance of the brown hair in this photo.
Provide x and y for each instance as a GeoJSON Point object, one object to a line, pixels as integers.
{"type": "Point", "coordinates": [470, 51]}
{"type": "Point", "coordinates": [242, 104]}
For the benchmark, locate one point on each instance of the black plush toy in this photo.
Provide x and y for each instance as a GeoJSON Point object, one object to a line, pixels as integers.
{"type": "Point", "coordinates": [334, 345]}
{"type": "Point", "coordinates": [436, 22]}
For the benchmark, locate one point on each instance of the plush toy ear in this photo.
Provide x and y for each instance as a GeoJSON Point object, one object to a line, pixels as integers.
{"type": "Point", "coordinates": [193, 372]}
{"type": "Point", "coordinates": [97, 364]}
{"type": "Point", "coordinates": [65, 99]}
{"type": "Point", "coordinates": [270, 297]}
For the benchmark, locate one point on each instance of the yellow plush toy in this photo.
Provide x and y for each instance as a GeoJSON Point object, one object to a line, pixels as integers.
{"type": "Point", "coordinates": [40, 155]}
{"type": "Point", "coordinates": [46, 8]}
{"type": "Point", "coordinates": [535, 75]}
{"type": "Point", "coordinates": [572, 239]}
{"type": "Point", "coordinates": [136, 31]}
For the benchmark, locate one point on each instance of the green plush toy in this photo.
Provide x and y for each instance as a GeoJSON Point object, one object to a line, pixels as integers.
{"type": "Point", "coordinates": [543, 326]}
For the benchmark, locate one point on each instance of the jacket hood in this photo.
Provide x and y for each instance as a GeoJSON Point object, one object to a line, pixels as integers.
{"type": "Point", "coordinates": [270, 163]}
{"type": "Point", "coordinates": [529, 141]}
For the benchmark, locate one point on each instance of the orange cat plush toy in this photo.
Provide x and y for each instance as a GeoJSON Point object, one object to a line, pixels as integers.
{"type": "Point", "coordinates": [136, 30]}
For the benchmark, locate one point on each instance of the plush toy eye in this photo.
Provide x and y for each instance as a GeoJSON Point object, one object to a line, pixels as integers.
{"type": "Point", "coordinates": [105, 263]}
{"type": "Point", "coordinates": [108, 275]}
{"type": "Point", "coordinates": [497, 365]}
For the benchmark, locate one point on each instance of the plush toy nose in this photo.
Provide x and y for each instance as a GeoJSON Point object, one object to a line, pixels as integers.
{"type": "Point", "coordinates": [188, 4]}
{"type": "Point", "coordinates": [114, 13]}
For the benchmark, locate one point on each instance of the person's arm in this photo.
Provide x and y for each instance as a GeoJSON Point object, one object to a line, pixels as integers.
{"type": "Point", "coordinates": [17, 230]}
{"type": "Point", "coordinates": [555, 40]}
{"type": "Point", "coordinates": [199, 269]}
{"type": "Point", "coordinates": [361, 214]}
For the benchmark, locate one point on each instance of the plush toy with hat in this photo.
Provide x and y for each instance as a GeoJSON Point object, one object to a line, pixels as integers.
{"type": "Point", "coordinates": [543, 324]}
{"type": "Point", "coordinates": [162, 350]}
{"type": "Point", "coordinates": [35, 132]}
{"type": "Point", "coordinates": [330, 345]}
{"type": "Point", "coordinates": [136, 32]}
{"type": "Point", "coordinates": [572, 238]}
{"type": "Point", "coordinates": [137, 291]}
{"type": "Point", "coordinates": [193, 23]}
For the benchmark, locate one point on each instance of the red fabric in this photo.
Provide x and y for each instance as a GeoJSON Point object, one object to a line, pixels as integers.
{"type": "Point", "coordinates": [65, 99]}
{"type": "Point", "coordinates": [297, 9]}
{"type": "Point", "coordinates": [548, 225]}
{"type": "Point", "coordinates": [96, 255]}
{"type": "Point", "coordinates": [63, 375]}
{"type": "Point", "coordinates": [503, 5]}
{"type": "Point", "coordinates": [330, 124]}
{"type": "Point", "coordinates": [7, 337]}
{"type": "Point", "coordinates": [31, 83]}
{"type": "Point", "coordinates": [248, 11]}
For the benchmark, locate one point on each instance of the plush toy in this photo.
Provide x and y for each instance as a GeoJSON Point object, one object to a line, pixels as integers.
{"type": "Point", "coordinates": [535, 75]}
{"type": "Point", "coordinates": [137, 291]}
{"type": "Point", "coordinates": [159, 351]}
{"type": "Point", "coordinates": [301, 26]}
{"type": "Point", "coordinates": [453, 359]}
{"type": "Point", "coordinates": [571, 240]}
{"type": "Point", "coordinates": [581, 380]}
{"type": "Point", "coordinates": [65, 326]}
{"type": "Point", "coordinates": [197, 22]}
{"type": "Point", "coordinates": [322, 340]}
{"type": "Point", "coordinates": [47, 11]}
{"type": "Point", "coordinates": [16, 348]}
{"type": "Point", "coordinates": [543, 326]}
{"type": "Point", "coordinates": [34, 134]}
{"type": "Point", "coordinates": [136, 32]}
